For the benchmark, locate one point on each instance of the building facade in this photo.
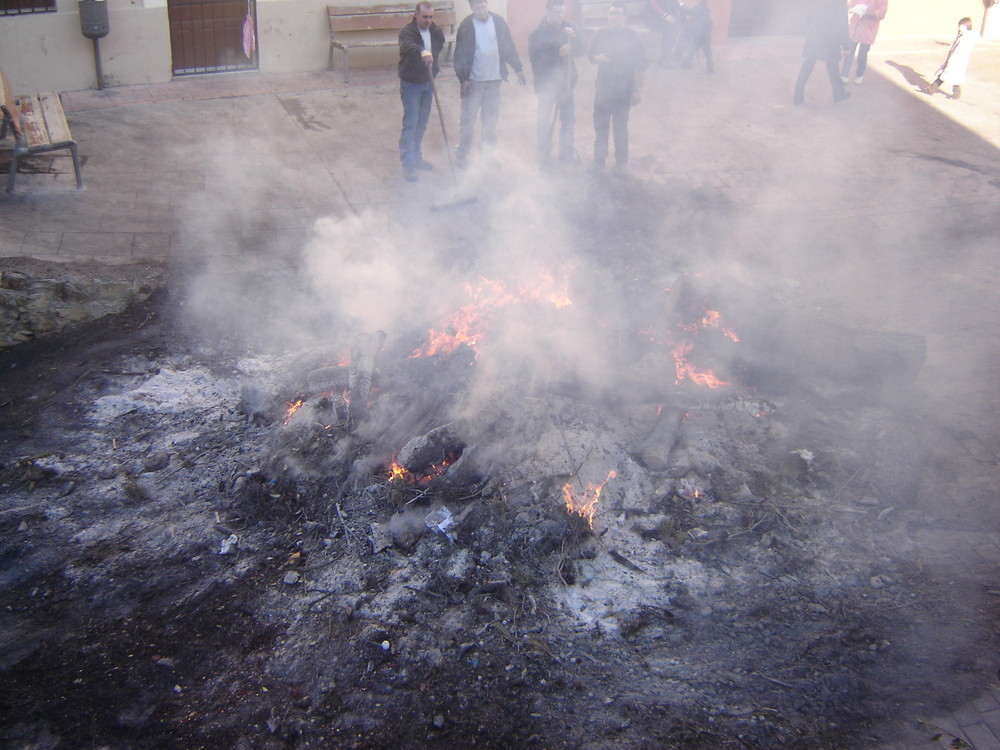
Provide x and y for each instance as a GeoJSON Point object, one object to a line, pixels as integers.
{"type": "Point", "coordinates": [42, 46]}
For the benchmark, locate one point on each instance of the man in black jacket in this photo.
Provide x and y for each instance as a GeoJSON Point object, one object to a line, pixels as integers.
{"type": "Point", "coordinates": [621, 63]}
{"type": "Point", "coordinates": [483, 50]}
{"type": "Point", "coordinates": [420, 45]}
{"type": "Point", "coordinates": [826, 35]}
{"type": "Point", "coordinates": [551, 48]}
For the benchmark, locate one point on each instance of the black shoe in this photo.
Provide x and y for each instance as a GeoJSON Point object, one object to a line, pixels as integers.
{"type": "Point", "coordinates": [424, 164]}
{"type": "Point", "coordinates": [845, 95]}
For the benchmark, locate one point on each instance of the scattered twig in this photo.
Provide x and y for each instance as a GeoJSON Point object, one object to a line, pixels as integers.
{"type": "Point", "coordinates": [343, 523]}
{"type": "Point", "coordinates": [427, 592]}
{"type": "Point", "coordinates": [622, 560]}
{"type": "Point", "coordinates": [778, 682]}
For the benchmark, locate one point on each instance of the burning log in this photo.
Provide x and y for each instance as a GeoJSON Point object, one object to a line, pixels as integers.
{"type": "Point", "coordinates": [779, 350]}
{"type": "Point", "coordinates": [780, 354]}
{"type": "Point", "coordinates": [442, 445]}
{"type": "Point", "coordinates": [329, 379]}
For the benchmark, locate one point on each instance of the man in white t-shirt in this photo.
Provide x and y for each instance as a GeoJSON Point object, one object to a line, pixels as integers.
{"type": "Point", "coordinates": [484, 48]}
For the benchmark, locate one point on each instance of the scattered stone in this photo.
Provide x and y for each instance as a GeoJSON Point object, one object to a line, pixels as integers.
{"type": "Point", "coordinates": [156, 461]}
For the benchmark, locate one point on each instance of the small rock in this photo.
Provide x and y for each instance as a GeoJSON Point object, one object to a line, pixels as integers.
{"type": "Point", "coordinates": [291, 578]}
{"type": "Point", "coordinates": [229, 545]}
{"type": "Point", "coordinates": [155, 461]}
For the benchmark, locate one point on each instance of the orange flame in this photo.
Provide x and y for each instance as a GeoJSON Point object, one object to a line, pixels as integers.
{"type": "Point", "coordinates": [685, 369]}
{"type": "Point", "coordinates": [467, 324]}
{"type": "Point", "coordinates": [587, 507]}
{"type": "Point", "coordinates": [293, 406]}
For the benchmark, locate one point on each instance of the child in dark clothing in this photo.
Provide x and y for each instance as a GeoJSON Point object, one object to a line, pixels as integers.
{"type": "Point", "coordinates": [697, 34]}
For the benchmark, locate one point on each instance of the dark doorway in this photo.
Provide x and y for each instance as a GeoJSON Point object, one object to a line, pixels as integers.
{"type": "Point", "coordinates": [207, 36]}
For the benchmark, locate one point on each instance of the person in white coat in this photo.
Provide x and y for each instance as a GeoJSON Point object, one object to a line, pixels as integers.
{"type": "Point", "coordinates": [952, 71]}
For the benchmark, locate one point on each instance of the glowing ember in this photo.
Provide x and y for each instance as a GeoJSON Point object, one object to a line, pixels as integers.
{"type": "Point", "coordinates": [399, 473]}
{"type": "Point", "coordinates": [587, 505]}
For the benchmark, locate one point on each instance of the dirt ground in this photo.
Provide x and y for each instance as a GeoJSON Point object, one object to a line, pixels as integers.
{"type": "Point", "coordinates": [803, 558]}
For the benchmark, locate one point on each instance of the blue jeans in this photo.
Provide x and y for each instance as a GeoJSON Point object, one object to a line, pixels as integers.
{"type": "Point", "coordinates": [417, 99]}
{"type": "Point", "coordinates": [553, 101]}
{"type": "Point", "coordinates": [482, 99]}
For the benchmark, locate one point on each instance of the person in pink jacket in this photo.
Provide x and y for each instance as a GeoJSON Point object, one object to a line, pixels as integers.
{"type": "Point", "coordinates": [865, 18]}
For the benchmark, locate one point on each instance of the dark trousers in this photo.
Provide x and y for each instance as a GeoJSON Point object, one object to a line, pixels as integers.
{"type": "Point", "coordinates": [831, 70]}
{"type": "Point", "coordinates": [610, 113]}
{"type": "Point", "coordinates": [691, 46]}
{"type": "Point", "coordinates": [862, 60]}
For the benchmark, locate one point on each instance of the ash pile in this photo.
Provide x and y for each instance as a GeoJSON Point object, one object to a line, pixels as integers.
{"type": "Point", "coordinates": [561, 526]}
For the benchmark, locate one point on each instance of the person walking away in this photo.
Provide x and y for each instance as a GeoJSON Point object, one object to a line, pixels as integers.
{"type": "Point", "coordinates": [420, 45]}
{"type": "Point", "coordinates": [825, 37]}
{"type": "Point", "coordinates": [551, 48]}
{"type": "Point", "coordinates": [621, 63]}
{"type": "Point", "coordinates": [484, 48]}
{"type": "Point", "coordinates": [953, 69]}
{"type": "Point", "coordinates": [865, 17]}
{"type": "Point", "coordinates": [698, 35]}
{"type": "Point", "coordinates": [666, 18]}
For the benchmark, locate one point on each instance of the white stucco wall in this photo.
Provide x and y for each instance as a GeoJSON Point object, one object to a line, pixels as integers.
{"type": "Point", "coordinates": [935, 19]}
{"type": "Point", "coordinates": [47, 51]}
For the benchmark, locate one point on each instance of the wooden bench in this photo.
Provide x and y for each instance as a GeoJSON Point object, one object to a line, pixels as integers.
{"type": "Point", "coordinates": [593, 15]}
{"type": "Point", "coordinates": [38, 124]}
{"type": "Point", "coordinates": [354, 26]}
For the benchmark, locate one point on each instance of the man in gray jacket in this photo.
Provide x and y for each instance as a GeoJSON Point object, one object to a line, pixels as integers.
{"type": "Point", "coordinates": [484, 48]}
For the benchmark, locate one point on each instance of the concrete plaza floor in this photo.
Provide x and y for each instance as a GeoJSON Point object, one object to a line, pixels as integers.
{"type": "Point", "coordinates": [883, 210]}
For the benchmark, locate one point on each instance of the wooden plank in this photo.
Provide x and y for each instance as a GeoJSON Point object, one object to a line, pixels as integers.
{"type": "Point", "coordinates": [339, 44]}
{"type": "Point", "coordinates": [55, 118]}
{"type": "Point", "coordinates": [370, 23]}
{"type": "Point", "coordinates": [32, 121]}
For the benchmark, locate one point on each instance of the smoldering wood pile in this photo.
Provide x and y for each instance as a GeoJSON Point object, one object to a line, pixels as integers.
{"type": "Point", "coordinates": [384, 410]}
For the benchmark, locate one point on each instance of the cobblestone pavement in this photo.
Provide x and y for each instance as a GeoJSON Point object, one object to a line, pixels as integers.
{"type": "Point", "coordinates": [882, 210]}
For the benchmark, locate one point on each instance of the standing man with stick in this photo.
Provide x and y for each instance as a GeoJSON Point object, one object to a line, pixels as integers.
{"type": "Point", "coordinates": [420, 45]}
{"type": "Point", "coordinates": [484, 48]}
{"type": "Point", "coordinates": [551, 48]}
{"type": "Point", "coordinates": [621, 63]}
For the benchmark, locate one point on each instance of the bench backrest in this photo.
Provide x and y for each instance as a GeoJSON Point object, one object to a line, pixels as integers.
{"type": "Point", "coordinates": [382, 17]}
{"type": "Point", "coordinates": [594, 13]}
{"type": "Point", "coordinates": [9, 104]}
